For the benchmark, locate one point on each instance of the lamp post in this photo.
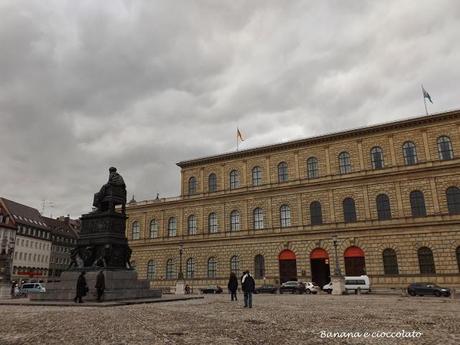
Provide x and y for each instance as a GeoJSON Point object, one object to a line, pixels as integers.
{"type": "Point", "coordinates": [337, 271]}
{"type": "Point", "coordinates": [180, 283]}
{"type": "Point", "coordinates": [338, 281]}
{"type": "Point", "coordinates": [181, 251]}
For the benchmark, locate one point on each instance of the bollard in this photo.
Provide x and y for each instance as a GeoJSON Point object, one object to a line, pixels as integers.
{"type": "Point", "coordinates": [358, 291]}
{"type": "Point", "coordinates": [452, 293]}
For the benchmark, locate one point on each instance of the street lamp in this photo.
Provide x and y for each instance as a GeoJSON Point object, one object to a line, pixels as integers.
{"type": "Point", "coordinates": [337, 271]}
{"type": "Point", "coordinates": [337, 279]}
{"type": "Point", "coordinates": [181, 251]}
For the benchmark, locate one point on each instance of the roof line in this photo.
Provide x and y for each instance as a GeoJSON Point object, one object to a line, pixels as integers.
{"type": "Point", "coordinates": [322, 138]}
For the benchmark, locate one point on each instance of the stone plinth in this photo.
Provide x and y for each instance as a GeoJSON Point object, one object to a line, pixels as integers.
{"type": "Point", "coordinates": [180, 287]}
{"type": "Point", "coordinates": [338, 285]}
{"type": "Point", "coordinates": [119, 285]}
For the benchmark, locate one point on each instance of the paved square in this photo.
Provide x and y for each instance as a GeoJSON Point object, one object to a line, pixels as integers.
{"type": "Point", "coordinates": [275, 319]}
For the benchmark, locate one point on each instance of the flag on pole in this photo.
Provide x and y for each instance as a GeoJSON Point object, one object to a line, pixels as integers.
{"type": "Point", "coordinates": [238, 134]}
{"type": "Point", "coordinates": [426, 95]}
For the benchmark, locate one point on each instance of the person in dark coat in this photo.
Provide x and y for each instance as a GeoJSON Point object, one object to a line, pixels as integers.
{"type": "Point", "coordinates": [100, 285]}
{"type": "Point", "coordinates": [248, 286]}
{"type": "Point", "coordinates": [233, 285]}
{"type": "Point", "coordinates": [82, 288]}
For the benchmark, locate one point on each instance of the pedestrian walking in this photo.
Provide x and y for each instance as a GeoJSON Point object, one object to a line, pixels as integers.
{"type": "Point", "coordinates": [100, 285]}
{"type": "Point", "coordinates": [82, 288]}
{"type": "Point", "coordinates": [248, 286]}
{"type": "Point", "coordinates": [233, 286]}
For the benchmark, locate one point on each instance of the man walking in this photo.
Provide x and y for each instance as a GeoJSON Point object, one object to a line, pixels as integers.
{"type": "Point", "coordinates": [82, 288]}
{"type": "Point", "coordinates": [248, 287]}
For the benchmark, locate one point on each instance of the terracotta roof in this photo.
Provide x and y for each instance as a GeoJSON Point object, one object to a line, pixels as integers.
{"type": "Point", "coordinates": [420, 120]}
{"type": "Point", "coordinates": [24, 215]}
{"type": "Point", "coordinates": [59, 227]}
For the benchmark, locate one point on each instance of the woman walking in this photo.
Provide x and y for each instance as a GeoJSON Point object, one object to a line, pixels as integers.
{"type": "Point", "coordinates": [233, 285]}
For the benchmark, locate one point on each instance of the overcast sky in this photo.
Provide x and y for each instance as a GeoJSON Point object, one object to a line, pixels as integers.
{"type": "Point", "coordinates": [141, 85]}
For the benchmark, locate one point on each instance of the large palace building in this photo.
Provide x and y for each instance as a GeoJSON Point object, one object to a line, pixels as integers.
{"type": "Point", "coordinates": [385, 198]}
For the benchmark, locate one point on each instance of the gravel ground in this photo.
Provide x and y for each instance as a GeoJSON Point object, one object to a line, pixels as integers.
{"type": "Point", "coordinates": [275, 319]}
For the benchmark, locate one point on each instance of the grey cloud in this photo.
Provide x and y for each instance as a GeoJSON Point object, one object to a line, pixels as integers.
{"type": "Point", "coordinates": [142, 84]}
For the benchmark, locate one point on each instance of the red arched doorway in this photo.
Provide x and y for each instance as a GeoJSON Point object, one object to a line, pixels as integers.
{"type": "Point", "coordinates": [355, 264]}
{"type": "Point", "coordinates": [288, 266]}
{"type": "Point", "coordinates": [319, 263]}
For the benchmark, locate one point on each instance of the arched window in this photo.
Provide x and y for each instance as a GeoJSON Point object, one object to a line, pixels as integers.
{"type": "Point", "coordinates": [377, 157]}
{"type": "Point", "coordinates": [383, 207]}
{"type": "Point", "coordinates": [190, 268]}
{"type": "Point", "coordinates": [212, 183]}
{"type": "Point", "coordinates": [259, 266]}
{"type": "Point", "coordinates": [390, 261]}
{"type": "Point", "coordinates": [234, 179]}
{"type": "Point", "coordinates": [426, 261]}
{"type": "Point", "coordinates": [192, 185]}
{"type": "Point", "coordinates": [417, 204]}
{"type": "Point", "coordinates": [316, 214]}
{"type": "Point", "coordinates": [409, 153]}
{"type": "Point", "coordinates": [258, 217]}
{"type": "Point", "coordinates": [282, 172]}
{"type": "Point", "coordinates": [312, 167]}
{"type": "Point", "coordinates": [154, 228]}
{"type": "Point", "coordinates": [136, 231]}
{"type": "Point", "coordinates": [234, 221]}
{"type": "Point", "coordinates": [191, 225]}
{"type": "Point", "coordinates": [453, 200]}
{"type": "Point", "coordinates": [344, 163]}
{"type": "Point", "coordinates": [349, 210]}
{"type": "Point", "coordinates": [235, 265]}
{"type": "Point", "coordinates": [445, 148]}
{"type": "Point", "coordinates": [172, 227]}
{"type": "Point", "coordinates": [151, 270]}
{"type": "Point", "coordinates": [457, 253]}
{"type": "Point", "coordinates": [212, 223]}
{"type": "Point", "coordinates": [212, 267]}
{"type": "Point", "coordinates": [256, 176]}
{"type": "Point", "coordinates": [285, 216]}
{"type": "Point", "coordinates": [170, 269]}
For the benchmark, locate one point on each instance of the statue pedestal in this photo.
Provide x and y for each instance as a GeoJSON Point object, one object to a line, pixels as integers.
{"type": "Point", "coordinates": [180, 287]}
{"type": "Point", "coordinates": [338, 284]}
{"type": "Point", "coordinates": [119, 285]}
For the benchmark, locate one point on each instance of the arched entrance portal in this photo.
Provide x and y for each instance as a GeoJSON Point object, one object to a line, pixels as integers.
{"type": "Point", "coordinates": [319, 263]}
{"type": "Point", "coordinates": [355, 265]}
{"type": "Point", "coordinates": [288, 266]}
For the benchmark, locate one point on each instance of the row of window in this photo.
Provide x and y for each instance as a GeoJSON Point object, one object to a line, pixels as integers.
{"type": "Point", "coordinates": [36, 244]}
{"type": "Point", "coordinates": [29, 257]}
{"type": "Point", "coordinates": [389, 260]}
{"type": "Point", "coordinates": [22, 230]}
{"type": "Point", "coordinates": [190, 267]}
{"type": "Point", "coordinates": [416, 197]}
{"type": "Point", "coordinates": [409, 150]}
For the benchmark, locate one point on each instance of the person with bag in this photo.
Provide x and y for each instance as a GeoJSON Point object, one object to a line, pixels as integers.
{"type": "Point", "coordinates": [248, 286]}
{"type": "Point", "coordinates": [82, 288]}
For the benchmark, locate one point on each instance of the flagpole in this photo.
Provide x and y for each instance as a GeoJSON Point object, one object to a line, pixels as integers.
{"type": "Point", "coordinates": [424, 100]}
{"type": "Point", "coordinates": [237, 139]}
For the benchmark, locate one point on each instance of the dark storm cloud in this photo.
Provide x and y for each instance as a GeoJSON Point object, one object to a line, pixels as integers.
{"type": "Point", "coordinates": [143, 84]}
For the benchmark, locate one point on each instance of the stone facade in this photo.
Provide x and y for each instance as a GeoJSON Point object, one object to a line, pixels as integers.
{"type": "Point", "coordinates": [406, 233]}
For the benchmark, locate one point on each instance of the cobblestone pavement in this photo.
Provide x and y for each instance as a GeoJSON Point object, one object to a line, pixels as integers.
{"type": "Point", "coordinates": [275, 319]}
